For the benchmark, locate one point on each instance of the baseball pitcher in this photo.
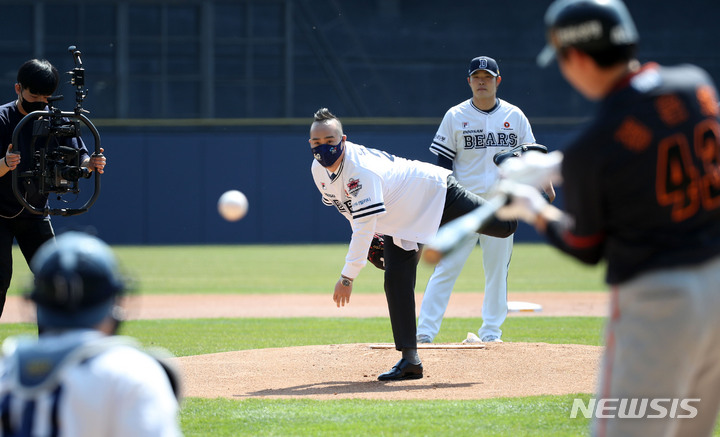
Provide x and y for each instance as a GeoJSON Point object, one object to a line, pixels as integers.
{"type": "Point", "coordinates": [470, 135]}
{"type": "Point", "coordinates": [404, 200]}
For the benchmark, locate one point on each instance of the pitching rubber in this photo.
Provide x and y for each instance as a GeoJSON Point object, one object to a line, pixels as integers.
{"type": "Point", "coordinates": [433, 346]}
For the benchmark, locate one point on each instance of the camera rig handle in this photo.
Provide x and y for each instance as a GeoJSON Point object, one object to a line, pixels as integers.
{"type": "Point", "coordinates": [53, 170]}
{"type": "Point", "coordinates": [77, 79]}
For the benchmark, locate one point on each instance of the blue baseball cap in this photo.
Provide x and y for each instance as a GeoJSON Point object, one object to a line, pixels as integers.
{"type": "Point", "coordinates": [484, 63]}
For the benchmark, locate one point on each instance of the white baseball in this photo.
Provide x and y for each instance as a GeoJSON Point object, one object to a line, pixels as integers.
{"type": "Point", "coordinates": [233, 205]}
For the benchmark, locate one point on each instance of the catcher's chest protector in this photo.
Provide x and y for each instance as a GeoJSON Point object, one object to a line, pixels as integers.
{"type": "Point", "coordinates": [32, 374]}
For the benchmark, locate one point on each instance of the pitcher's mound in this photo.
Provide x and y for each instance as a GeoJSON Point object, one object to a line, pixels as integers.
{"type": "Point", "coordinates": [350, 371]}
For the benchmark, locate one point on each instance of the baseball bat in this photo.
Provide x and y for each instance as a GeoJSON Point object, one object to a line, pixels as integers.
{"type": "Point", "coordinates": [452, 233]}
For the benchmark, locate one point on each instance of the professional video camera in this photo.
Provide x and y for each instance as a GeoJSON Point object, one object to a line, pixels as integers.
{"type": "Point", "coordinates": [56, 168]}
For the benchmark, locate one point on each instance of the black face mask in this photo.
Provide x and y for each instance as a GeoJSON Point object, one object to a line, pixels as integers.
{"type": "Point", "coordinates": [31, 106]}
{"type": "Point", "coordinates": [327, 154]}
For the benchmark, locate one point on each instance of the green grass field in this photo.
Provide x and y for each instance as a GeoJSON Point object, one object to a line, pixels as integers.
{"type": "Point", "coordinates": [314, 269]}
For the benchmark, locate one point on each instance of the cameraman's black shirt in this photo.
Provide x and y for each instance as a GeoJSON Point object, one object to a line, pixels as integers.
{"type": "Point", "coordinates": [10, 207]}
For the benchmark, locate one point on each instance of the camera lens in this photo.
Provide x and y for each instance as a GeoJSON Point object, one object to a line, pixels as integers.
{"type": "Point", "coordinates": [73, 173]}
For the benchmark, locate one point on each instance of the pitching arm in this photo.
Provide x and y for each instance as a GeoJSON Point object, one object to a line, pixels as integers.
{"type": "Point", "coordinates": [356, 258]}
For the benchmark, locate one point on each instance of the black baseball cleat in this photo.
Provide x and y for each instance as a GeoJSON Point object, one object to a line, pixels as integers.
{"type": "Point", "coordinates": [404, 369]}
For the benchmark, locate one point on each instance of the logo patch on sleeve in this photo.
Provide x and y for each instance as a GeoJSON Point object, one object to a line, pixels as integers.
{"type": "Point", "coordinates": [354, 186]}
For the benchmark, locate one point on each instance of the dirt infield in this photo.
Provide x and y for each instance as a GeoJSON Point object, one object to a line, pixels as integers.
{"type": "Point", "coordinates": [314, 305]}
{"type": "Point", "coordinates": [350, 370]}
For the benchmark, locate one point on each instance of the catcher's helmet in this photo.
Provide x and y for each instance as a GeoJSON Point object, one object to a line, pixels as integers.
{"type": "Point", "coordinates": [76, 282]}
{"type": "Point", "coordinates": [588, 25]}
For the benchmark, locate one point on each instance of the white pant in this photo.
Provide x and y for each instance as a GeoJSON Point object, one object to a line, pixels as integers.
{"type": "Point", "coordinates": [496, 260]}
{"type": "Point", "coordinates": [663, 342]}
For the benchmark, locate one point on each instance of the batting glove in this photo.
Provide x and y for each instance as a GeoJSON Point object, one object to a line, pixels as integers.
{"type": "Point", "coordinates": [533, 168]}
{"type": "Point", "coordinates": [524, 202]}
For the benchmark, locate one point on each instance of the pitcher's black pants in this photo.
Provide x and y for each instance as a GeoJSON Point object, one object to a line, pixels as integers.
{"type": "Point", "coordinates": [401, 265]}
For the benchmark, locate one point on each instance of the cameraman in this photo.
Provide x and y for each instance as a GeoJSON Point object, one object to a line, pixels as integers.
{"type": "Point", "coordinates": [36, 81]}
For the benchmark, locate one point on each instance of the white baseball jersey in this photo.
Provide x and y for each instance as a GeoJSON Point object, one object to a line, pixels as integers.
{"type": "Point", "coordinates": [379, 192]}
{"type": "Point", "coordinates": [470, 137]}
{"type": "Point", "coordinates": [83, 384]}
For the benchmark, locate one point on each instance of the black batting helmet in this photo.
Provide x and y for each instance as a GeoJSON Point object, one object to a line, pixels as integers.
{"type": "Point", "coordinates": [592, 26]}
{"type": "Point", "coordinates": [76, 281]}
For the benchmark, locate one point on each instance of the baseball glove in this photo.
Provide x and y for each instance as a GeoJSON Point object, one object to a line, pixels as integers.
{"type": "Point", "coordinates": [376, 254]}
{"type": "Point", "coordinates": [517, 151]}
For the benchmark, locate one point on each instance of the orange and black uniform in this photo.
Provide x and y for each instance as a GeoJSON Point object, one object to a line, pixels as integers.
{"type": "Point", "coordinates": [643, 180]}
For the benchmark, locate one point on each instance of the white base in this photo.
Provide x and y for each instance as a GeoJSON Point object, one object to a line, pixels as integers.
{"type": "Point", "coordinates": [515, 306]}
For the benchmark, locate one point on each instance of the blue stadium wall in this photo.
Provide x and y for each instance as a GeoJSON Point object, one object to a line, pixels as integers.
{"type": "Point", "coordinates": [161, 187]}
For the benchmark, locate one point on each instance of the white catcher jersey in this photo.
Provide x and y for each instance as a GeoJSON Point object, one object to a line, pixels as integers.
{"type": "Point", "coordinates": [470, 137]}
{"type": "Point", "coordinates": [404, 198]}
{"type": "Point", "coordinates": [81, 384]}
